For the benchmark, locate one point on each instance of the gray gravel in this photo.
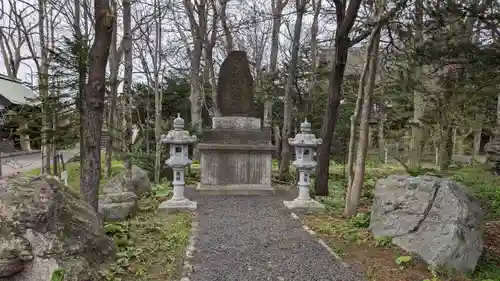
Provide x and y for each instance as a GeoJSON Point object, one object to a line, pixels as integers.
{"type": "Point", "coordinates": [254, 238]}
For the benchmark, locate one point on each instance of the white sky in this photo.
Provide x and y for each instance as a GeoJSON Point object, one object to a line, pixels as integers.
{"type": "Point", "coordinates": [171, 40]}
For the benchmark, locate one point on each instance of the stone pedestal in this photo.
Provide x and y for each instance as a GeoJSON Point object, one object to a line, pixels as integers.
{"type": "Point", "coordinates": [178, 203]}
{"type": "Point", "coordinates": [304, 202]}
{"type": "Point", "coordinates": [236, 158]}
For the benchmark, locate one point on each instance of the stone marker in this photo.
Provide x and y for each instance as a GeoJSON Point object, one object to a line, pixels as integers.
{"type": "Point", "coordinates": [432, 217]}
{"type": "Point", "coordinates": [235, 89]}
{"type": "Point", "coordinates": [235, 152]}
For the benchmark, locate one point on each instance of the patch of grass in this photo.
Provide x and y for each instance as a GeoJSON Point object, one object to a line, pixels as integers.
{"type": "Point", "coordinates": [73, 170]}
{"type": "Point", "coordinates": [484, 184]}
{"type": "Point", "coordinates": [150, 246]}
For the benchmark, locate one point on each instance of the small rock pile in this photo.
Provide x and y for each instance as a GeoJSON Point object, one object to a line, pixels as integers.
{"type": "Point", "coordinates": [120, 197]}
{"type": "Point", "coordinates": [44, 227]}
{"type": "Point", "coordinates": [435, 218]}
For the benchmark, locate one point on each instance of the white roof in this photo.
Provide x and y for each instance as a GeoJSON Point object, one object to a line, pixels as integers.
{"type": "Point", "coordinates": [15, 91]}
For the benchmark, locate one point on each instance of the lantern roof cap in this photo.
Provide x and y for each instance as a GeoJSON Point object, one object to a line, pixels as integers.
{"type": "Point", "coordinates": [178, 122]}
{"type": "Point", "coordinates": [305, 127]}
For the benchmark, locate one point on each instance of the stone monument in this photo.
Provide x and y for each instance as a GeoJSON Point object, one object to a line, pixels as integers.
{"type": "Point", "coordinates": [236, 152]}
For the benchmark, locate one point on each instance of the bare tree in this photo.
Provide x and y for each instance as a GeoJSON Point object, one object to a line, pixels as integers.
{"type": "Point", "coordinates": [225, 25]}
{"type": "Point", "coordinates": [94, 103]}
{"type": "Point", "coordinates": [277, 6]}
{"type": "Point", "coordinates": [114, 66]}
{"type": "Point", "coordinates": [363, 102]}
{"type": "Point", "coordinates": [316, 5]}
{"type": "Point", "coordinates": [196, 14]}
{"type": "Point", "coordinates": [127, 83]}
{"type": "Point", "coordinates": [300, 6]}
{"type": "Point", "coordinates": [158, 94]}
{"type": "Point", "coordinates": [345, 17]}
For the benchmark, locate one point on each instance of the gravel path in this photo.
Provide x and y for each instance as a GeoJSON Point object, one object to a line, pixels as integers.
{"type": "Point", "coordinates": [250, 238]}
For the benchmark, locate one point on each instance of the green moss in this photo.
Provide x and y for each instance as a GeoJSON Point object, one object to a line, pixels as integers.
{"type": "Point", "coordinates": [150, 246]}
{"type": "Point", "coordinates": [58, 275]}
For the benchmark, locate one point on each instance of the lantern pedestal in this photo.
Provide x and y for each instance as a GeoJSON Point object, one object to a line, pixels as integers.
{"type": "Point", "coordinates": [305, 205]}
{"type": "Point", "coordinates": [177, 205]}
{"type": "Point", "coordinates": [304, 202]}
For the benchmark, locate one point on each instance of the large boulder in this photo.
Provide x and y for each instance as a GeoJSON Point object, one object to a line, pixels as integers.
{"type": "Point", "coordinates": [44, 228]}
{"type": "Point", "coordinates": [138, 184]}
{"type": "Point", "coordinates": [435, 218]}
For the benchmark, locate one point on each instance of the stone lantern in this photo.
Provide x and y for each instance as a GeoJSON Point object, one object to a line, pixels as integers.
{"type": "Point", "coordinates": [305, 144]}
{"type": "Point", "coordinates": [179, 141]}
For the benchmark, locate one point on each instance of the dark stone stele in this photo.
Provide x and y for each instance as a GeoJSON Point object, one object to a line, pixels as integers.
{"type": "Point", "coordinates": [235, 89]}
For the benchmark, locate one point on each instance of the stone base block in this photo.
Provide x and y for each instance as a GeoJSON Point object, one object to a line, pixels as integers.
{"type": "Point", "coordinates": [237, 189]}
{"type": "Point", "coordinates": [308, 206]}
{"type": "Point", "coordinates": [235, 123]}
{"type": "Point", "coordinates": [173, 206]}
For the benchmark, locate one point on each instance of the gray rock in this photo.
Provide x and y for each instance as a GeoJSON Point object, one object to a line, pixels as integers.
{"type": "Point", "coordinates": [15, 251]}
{"type": "Point", "coordinates": [462, 159]}
{"type": "Point", "coordinates": [118, 197]}
{"type": "Point", "coordinates": [118, 206]}
{"type": "Point", "coordinates": [118, 211]}
{"type": "Point", "coordinates": [138, 184]}
{"type": "Point", "coordinates": [45, 227]}
{"type": "Point", "coordinates": [434, 218]}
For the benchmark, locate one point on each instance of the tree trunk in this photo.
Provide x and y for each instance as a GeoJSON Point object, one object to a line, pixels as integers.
{"type": "Point", "coordinates": [198, 30]}
{"type": "Point", "coordinates": [418, 100]}
{"type": "Point", "coordinates": [287, 120]}
{"type": "Point", "coordinates": [277, 6]}
{"type": "Point", "coordinates": [225, 27]}
{"type": "Point", "coordinates": [355, 117]}
{"type": "Point", "coordinates": [43, 80]}
{"type": "Point", "coordinates": [314, 58]}
{"type": "Point", "coordinates": [353, 194]}
{"type": "Point", "coordinates": [114, 67]}
{"type": "Point", "coordinates": [82, 72]}
{"type": "Point", "coordinates": [345, 21]}
{"type": "Point", "coordinates": [445, 147]}
{"type": "Point", "coordinates": [94, 105]}
{"type": "Point", "coordinates": [477, 143]}
{"type": "Point", "coordinates": [381, 135]}
{"type": "Point", "coordinates": [158, 95]}
{"type": "Point", "coordinates": [127, 84]}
